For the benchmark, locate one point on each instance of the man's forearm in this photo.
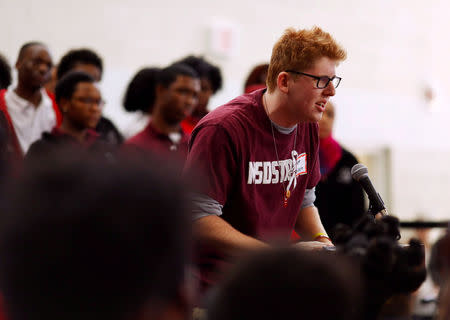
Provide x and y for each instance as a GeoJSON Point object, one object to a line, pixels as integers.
{"type": "Point", "coordinates": [214, 231]}
{"type": "Point", "coordinates": [308, 224]}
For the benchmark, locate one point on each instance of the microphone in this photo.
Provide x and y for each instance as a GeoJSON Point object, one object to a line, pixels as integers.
{"type": "Point", "coordinates": [361, 174]}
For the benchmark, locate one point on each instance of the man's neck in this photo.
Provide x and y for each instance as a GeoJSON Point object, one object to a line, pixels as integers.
{"type": "Point", "coordinates": [276, 110]}
{"type": "Point", "coordinates": [162, 126]}
{"type": "Point", "coordinates": [199, 113]}
{"type": "Point", "coordinates": [73, 130]}
{"type": "Point", "coordinates": [32, 95]}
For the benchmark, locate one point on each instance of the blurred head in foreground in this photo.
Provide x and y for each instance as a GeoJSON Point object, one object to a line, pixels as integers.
{"type": "Point", "coordinates": [288, 284]}
{"type": "Point", "coordinates": [88, 239]}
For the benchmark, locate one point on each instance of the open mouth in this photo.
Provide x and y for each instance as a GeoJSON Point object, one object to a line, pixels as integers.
{"type": "Point", "coordinates": [321, 106]}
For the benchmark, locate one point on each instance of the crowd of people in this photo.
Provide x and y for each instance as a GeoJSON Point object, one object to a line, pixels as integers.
{"type": "Point", "coordinates": [247, 211]}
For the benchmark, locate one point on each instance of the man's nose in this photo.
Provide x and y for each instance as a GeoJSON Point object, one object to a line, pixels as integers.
{"type": "Point", "coordinates": [96, 107]}
{"type": "Point", "coordinates": [44, 68]}
{"type": "Point", "coordinates": [192, 100]}
{"type": "Point", "coordinates": [330, 90]}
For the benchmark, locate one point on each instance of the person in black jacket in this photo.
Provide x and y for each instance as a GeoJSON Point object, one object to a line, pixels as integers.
{"type": "Point", "coordinates": [80, 102]}
{"type": "Point", "coordinates": [88, 61]}
{"type": "Point", "coordinates": [339, 198]}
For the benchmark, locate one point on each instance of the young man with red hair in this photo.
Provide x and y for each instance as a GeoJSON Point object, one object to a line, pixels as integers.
{"type": "Point", "coordinates": [259, 156]}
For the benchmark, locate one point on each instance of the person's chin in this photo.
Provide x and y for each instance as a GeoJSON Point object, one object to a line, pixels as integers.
{"type": "Point", "coordinates": [92, 124]}
{"type": "Point", "coordinates": [312, 118]}
{"type": "Point", "coordinates": [37, 85]}
{"type": "Point", "coordinates": [39, 81]}
{"type": "Point", "coordinates": [175, 121]}
{"type": "Point", "coordinates": [320, 116]}
{"type": "Point", "coordinates": [317, 116]}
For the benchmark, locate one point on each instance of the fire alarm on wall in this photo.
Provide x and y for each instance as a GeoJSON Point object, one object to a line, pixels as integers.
{"type": "Point", "coordinates": [223, 38]}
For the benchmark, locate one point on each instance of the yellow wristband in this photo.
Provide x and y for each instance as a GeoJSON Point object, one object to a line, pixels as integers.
{"type": "Point", "coordinates": [319, 234]}
{"type": "Point", "coordinates": [320, 237]}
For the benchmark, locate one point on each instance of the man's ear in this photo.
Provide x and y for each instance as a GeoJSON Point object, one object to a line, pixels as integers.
{"type": "Point", "coordinates": [18, 64]}
{"type": "Point", "coordinates": [282, 82]}
{"type": "Point", "coordinates": [160, 89]}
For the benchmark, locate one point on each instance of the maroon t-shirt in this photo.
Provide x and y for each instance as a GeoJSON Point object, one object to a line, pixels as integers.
{"type": "Point", "coordinates": [234, 149]}
{"type": "Point", "coordinates": [158, 143]}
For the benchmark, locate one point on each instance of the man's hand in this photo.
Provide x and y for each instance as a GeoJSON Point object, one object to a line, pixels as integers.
{"type": "Point", "coordinates": [312, 245]}
{"type": "Point", "coordinates": [324, 239]}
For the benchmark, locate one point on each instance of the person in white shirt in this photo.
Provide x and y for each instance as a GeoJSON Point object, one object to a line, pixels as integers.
{"type": "Point", "coordinates": [29, 109]}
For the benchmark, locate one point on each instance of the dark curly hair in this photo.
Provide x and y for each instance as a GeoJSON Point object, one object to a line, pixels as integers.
{"type": "Point", "coordinates": [257, 76]}
{"type": "Point", "coordinates": [290, 284]}
{"type": "Point", "coordinates": [204, 70]}
{"type": "Point", "coordinates": [5, 73]}
{"type": "Point", "coordinates": [140, 93]}
{"type": "Point", "coordinates": [66, 86]}
{"type": "Point", "coordinates": [71, 58]}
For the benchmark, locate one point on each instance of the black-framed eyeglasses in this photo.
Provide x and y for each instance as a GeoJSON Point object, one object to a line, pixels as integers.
{"type": "Point", "coordinates": [89, 101]}
{"type": "Point", "coordinates": [322, 82]}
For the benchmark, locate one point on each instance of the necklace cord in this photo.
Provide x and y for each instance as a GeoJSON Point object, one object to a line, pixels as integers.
{"type": "Point", "coordinates": [286, 191]}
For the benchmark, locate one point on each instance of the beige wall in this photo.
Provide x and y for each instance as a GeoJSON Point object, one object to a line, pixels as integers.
{"type": "Point", "coordinates": [395, 49]}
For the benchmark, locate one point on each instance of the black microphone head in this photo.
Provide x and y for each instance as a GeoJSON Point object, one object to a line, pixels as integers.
{"type": "Point", "coordinates": [359, 171]}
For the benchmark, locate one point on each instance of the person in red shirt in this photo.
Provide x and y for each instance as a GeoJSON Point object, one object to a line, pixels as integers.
{"type": "Point", "coordinates": [139, 98]}
{"type": "Point", "coordinates": [257, 78]}
{"type": "Point", "coordinates": [258, 155]}
{"type": "Point", "coordinates": [176, 96]}
{"type": "Point", "coordinates": [6, 141]}
{"type": "Point", "coordinates": [210, 83]}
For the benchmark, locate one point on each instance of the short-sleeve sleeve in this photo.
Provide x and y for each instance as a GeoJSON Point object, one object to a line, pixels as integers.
{"type": "Point", "coordinates": [212, 157]}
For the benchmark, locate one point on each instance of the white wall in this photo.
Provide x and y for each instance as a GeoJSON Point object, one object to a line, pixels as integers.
{"type": "Point", "coordinates": [395, 50]}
